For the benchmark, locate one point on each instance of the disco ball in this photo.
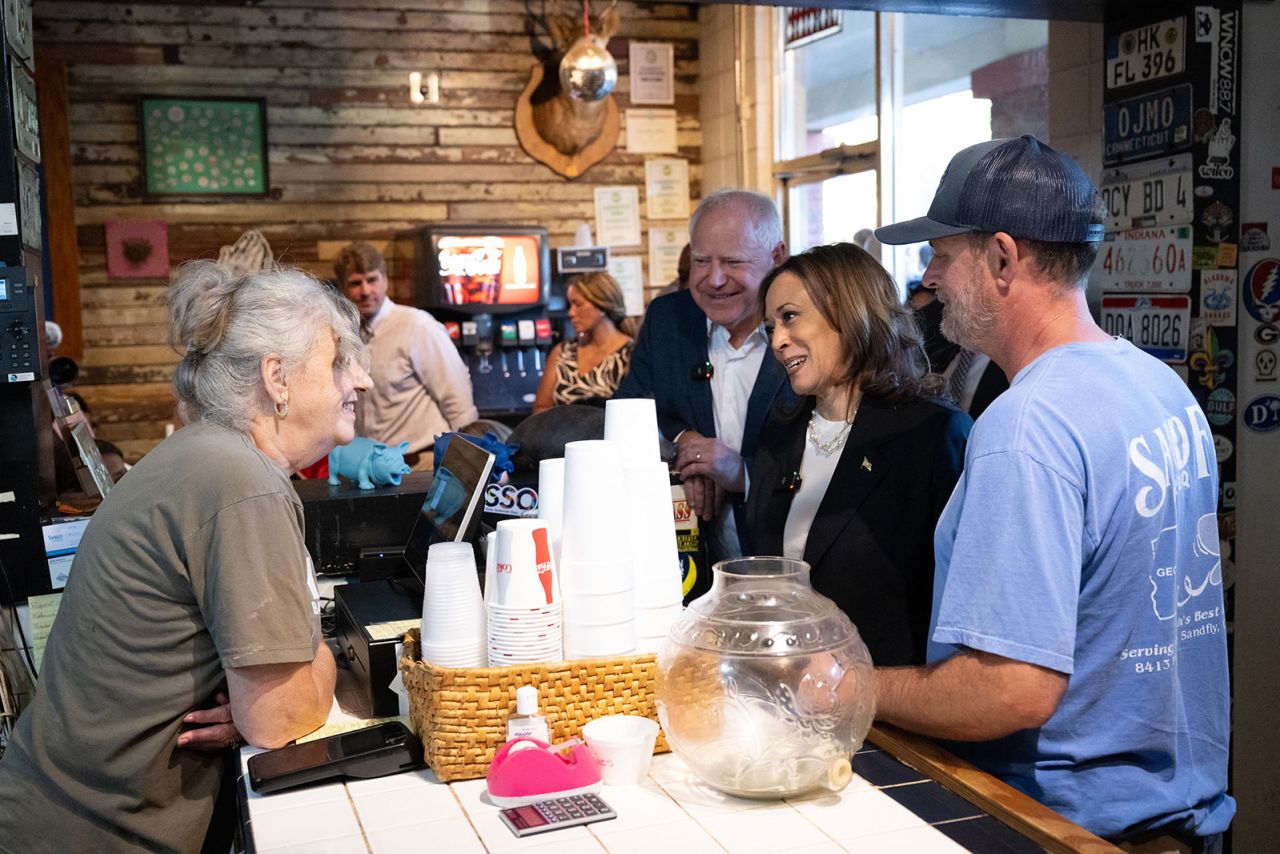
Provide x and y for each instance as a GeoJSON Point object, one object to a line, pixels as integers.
{"type": "Point", "coordinates": [587, 71]}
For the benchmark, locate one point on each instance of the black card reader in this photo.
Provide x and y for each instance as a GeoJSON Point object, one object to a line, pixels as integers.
{"type": "Point", "coordinates": [20, 329]}
{"type": "Point", "coordinates": [375, 751]}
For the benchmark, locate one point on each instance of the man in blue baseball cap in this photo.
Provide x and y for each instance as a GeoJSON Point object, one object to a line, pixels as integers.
{"type": "Point", "coordinates": [1078, 642]}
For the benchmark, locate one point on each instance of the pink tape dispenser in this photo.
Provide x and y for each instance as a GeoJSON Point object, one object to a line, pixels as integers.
{"type": "Point", "coordinates": [525, 770]}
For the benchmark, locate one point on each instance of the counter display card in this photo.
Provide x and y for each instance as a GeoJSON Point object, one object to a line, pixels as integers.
{"type": "Point", "coordinates": [651, 132]}
{"type": "Point", "coordinates": [665, 246]}
{"type": "Point", "coordinates": [653, 79]}
{"type": "Point", "coordinates": [666, 187]}
{"type": "Point", "coordinates": [628, 272]}
{"type": "Point", "coordinates": [617, 216]}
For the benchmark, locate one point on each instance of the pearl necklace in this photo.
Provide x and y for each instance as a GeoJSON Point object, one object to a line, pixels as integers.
{"type": "Point", "coordinates": [836, 442]}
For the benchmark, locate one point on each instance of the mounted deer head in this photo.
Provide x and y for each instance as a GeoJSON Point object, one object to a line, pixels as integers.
{"type": "Point", "coordinates": [557, 120]}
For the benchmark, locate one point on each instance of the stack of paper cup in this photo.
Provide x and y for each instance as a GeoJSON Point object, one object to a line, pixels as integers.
{"type": "Point", "coordinates": [525, 612]}
{"type": "Point", "coordinates": [551, 500]}
{"type": "Point", "coordinates": [453, 618]}
{"type": "Point", "coordinates": [654, 550]}
{"type": "Point", "coordinates": [597, 571]}
{"type": "Point", "coordinates": [633, 424]}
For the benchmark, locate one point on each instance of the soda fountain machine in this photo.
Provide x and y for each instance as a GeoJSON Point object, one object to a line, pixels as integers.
{"type": "Point", "coordinates": [491, 286]}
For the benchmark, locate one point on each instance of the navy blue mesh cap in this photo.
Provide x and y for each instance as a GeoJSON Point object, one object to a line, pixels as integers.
{"type": "Point", "coordinates": [1019, 186]}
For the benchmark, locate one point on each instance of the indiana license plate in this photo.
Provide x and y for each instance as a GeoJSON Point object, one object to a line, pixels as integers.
{"type": "Point", "coordinates": [1156, 324]}
{"type": "Point", "coordinates": [1145, 259]}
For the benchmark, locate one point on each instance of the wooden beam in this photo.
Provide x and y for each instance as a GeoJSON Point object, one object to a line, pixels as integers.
{"type": "Point", "coordinates": [1021, 812]}
{"type": "Point", "coordinates": [64, 256]}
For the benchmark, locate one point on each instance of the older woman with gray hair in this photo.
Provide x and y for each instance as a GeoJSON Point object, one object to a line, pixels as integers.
{"type": "Point", "coordinates": [190, 619]}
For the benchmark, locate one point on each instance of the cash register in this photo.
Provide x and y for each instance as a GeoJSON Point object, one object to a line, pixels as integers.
{"type": "Point", "coordinates": [372, 616]}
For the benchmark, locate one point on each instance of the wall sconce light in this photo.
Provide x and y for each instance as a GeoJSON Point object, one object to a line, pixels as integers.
{"type": "Point", "coordinates": [424, 88]}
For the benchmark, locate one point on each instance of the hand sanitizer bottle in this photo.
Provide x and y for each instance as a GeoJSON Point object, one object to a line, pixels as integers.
{"type": "Point", "coordinates": [526, 721]}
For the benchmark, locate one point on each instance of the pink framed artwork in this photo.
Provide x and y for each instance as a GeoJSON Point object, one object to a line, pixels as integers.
{"type": "Point", "coordinates": [137, 249]}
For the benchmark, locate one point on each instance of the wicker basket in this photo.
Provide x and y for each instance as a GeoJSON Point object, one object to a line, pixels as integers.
{"type": "Point", "coordinates": [460, 713]}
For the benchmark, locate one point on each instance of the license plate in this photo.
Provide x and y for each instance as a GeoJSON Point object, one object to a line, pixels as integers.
{"type": "Point", "coordinates": [1147, 126]}
{"type": "Point", "coordinates": [1144, 53]}
{"type": "Point", "coordinates": [1156, 324]}
{"type": "Point", "coordinates": [1145, 259]}
{"type": "Point", "coordinates": [1155, 193]}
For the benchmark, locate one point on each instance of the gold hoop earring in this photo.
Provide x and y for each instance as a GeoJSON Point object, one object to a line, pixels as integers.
{"type": "Point", "coordinates": [282, 409]}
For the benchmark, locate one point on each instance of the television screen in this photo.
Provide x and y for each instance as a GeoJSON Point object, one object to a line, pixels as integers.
{"type": "Point", "coordinates": [489, 269]}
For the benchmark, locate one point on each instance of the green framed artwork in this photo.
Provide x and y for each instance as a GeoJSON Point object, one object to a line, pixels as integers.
{"type": "Point", "coordinates": [203, 146]}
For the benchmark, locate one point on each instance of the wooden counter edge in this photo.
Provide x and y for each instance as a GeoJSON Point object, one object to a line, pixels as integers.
{"type": "Point", "coordinates": [1021, 812]}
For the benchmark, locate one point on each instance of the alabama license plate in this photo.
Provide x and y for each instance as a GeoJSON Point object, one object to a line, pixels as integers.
{"type": "Point", "coordinates": [1156, 324]}
{"type": "Point", "coordinates": [1145, 259]}
{"type": "Point", "coordinates": [1144, 53]}
{"type": "Point", "coordinates": [1157, 192]}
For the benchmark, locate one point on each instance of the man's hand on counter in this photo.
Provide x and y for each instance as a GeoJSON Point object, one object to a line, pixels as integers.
{"type": "Point", "coordinates": [212, 729]}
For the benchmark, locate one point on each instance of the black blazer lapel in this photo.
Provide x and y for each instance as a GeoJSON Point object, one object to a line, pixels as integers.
{"type": "Point", "coordinates": [691, 347]}
{"type": "Point", "coordinates": [862, 466]}
{"type": "Point", "coordinates": [770, 377]}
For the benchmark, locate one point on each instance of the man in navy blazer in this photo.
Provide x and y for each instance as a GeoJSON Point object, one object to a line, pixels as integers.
{"type": "Point", "coordinates": [703, 357]}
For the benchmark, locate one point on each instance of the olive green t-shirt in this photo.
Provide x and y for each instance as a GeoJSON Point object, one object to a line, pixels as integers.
{"type": "Point", "coordinates": [193, 564]}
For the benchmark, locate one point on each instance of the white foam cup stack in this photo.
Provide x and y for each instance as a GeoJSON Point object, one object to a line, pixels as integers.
{"type": "Point", "coordinates": [595, 523]}
{"type": "Point", "coordinates": [598, 570]}
{"type": "Point", "coordinates": [453, 614]}
{"type": "Point", "coordinates": [551, 500]}
{"type": "Point", "coordinates": [590, 641]}
{"type": "Point", "coordinates": [633, 424]}
{"type": "Point", "coordinates": [652, 535]}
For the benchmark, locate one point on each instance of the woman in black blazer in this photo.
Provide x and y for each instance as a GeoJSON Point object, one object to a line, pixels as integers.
{"type": "Point", "coordinates": [854, 476]}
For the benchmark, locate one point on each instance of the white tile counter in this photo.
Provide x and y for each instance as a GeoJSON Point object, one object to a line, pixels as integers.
{"type": "Point", "coordinates": [672, 812]}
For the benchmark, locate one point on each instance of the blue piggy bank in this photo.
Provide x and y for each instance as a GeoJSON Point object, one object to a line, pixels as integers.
{"type": "Point", "coordinates": [368, 463]}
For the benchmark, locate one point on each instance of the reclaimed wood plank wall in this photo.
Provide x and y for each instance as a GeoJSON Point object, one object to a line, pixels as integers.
{"type": "Point", "coordinates": [350, 156]}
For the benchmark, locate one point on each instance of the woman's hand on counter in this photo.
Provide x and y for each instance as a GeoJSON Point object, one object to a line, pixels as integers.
{"type": "Point", "coordinates": [211, 729]}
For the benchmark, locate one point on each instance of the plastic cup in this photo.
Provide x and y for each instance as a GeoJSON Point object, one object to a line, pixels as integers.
{"type": "Point", "coordinates": [623, 746]}
{"type": "Point", "coordinates": [452, 606]}
{"type": "Point", "coordinates": [525, 573]}
{"type": "Point", "coordinates": [633, 424]}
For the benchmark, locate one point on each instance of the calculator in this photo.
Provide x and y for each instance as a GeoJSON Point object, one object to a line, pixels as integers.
{"type": "Point", "coordinates": [555, 813]}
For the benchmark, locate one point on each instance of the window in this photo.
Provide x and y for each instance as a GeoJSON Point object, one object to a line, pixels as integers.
{"type": "Point", "coordinates": [906, 91]}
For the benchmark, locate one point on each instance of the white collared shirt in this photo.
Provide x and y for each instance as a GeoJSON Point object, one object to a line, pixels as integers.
{"type": "Point", "coordinates": [734, 372]}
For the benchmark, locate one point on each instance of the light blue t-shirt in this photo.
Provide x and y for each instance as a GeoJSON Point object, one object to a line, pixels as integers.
{"type": "Point", "coordinates": [1082, 537]}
